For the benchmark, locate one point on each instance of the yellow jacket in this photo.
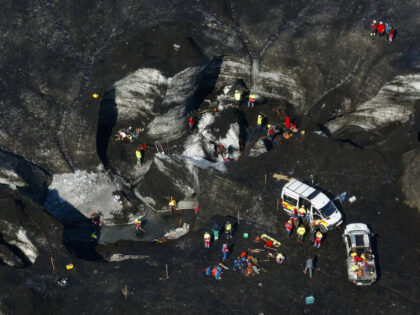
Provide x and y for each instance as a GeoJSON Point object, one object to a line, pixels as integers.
{"type": "Point", "coordinates": [301, 230]}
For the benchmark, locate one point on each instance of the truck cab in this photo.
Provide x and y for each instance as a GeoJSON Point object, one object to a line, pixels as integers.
{"type": "Point", "coordinates": [316, 203]}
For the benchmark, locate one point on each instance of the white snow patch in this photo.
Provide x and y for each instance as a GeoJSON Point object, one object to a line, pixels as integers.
{"type": "Point", "coordinates": [193, 147]}
{"type": "Point", "coordinates": [82, 192]}
{"type": "Point", "coordinates": [226, 89]}
{"type": "Point", "coordinates": [25, 245]}
{"type": "Point", "coordinates": [206, 120]}
{"type": "Point", "coordinates": [176, 47]}
{"type": "Point", "coordinates": [204, 164]}
{"type": "Point", "coordinates": [121, 257]}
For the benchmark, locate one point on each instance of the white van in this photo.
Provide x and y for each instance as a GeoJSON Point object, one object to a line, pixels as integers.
{"type": "Point", "coordinates": [320, 207]}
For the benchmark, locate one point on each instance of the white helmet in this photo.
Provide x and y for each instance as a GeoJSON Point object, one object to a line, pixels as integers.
{"type": "Point", "coordinates": [374, 21]}
{"type": "Point", "coordinates": [381, 22]}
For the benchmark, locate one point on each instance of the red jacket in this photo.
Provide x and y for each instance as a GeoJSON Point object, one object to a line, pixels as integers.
{"type": "Point", "coordinates": [374, 27]}
{"type": "Point", "coordinates": [289, 226]}
{"type": "Point", "coordinates": [191, 121]}
{"type": "Point", "coordinates": [381, 28]}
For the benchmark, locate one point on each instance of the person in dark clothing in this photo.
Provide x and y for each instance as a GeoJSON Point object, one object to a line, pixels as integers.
{"type": "Point", "coordinates": [309, 267]}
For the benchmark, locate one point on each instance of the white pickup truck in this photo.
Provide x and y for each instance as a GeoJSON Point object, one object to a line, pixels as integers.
{"type": "Point", "coordinates": [361, 267]}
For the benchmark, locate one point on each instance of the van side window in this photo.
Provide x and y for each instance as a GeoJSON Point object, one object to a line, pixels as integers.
{"type": "Point", "coordinates": [290, 200]}
{"type": "Point", "coordinates": [316, 213]}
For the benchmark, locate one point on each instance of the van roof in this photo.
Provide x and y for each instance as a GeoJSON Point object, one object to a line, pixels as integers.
{"type": "Point", "coordinates": [302, 189]}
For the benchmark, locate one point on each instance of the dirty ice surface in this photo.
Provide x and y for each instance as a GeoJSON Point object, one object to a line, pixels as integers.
{"type": "Point", "coordinates": [393, 103]}
{"type": "Point", "coordinates": [22, 242]}
{"type": "Point", "coordinates": [80, 193]}
{"type": "Point", "coordinates": [201, 145]}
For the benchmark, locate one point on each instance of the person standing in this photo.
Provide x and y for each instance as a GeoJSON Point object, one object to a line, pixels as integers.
{"type": "Point", "coordinates": [191, 122]}
{"type": "Point", "coordinates": [251, 100]}
{"type": "Point", "coordinates": [373, 28]}
{"type": "Point", "coordinates": [172, 205]}
{"type": "Point", "coordinates": [259, 120]}
{"type": "Point", "coordinates": [237, 97]}
{"type": "Point", "coordinates": [289, 228]}
{"type": "Point", "coordinates": [318, 239]}
{"type": "Point", "coordinates": [381, 28]}
{"type": "Point", "coordinates": [225, 251]}
{"type": "Point", "coordinates": [309, 267]}
{"type": "Point", "coordinates": [138, 157]}
{"type": "Point", "coordinates": [216, 229]}
{"type": "Point", "coordinates": [301, 213]}
{"type": "Point", "coordinates": [301, 233]}
{"type": "Point", "coordinates": [206, 240]}
{"type": "Point", "coordinates": [228, 230]}
{"type": "Point", "coordinates": [391, 35]}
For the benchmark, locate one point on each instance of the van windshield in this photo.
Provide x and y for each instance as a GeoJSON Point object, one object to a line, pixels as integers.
{"type": "Point", "coordinates": [328, 209]}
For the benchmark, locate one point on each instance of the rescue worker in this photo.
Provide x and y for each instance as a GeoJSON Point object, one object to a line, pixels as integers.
{"type": "Point", "coordinates": [318, 239]}
{"type": "Point", "coordinates": [221, 150]}
{"type": "Point", "coordinates": [307, 218]}
{"type": "Point", "coordinates": [216, 229]}
{"type": "Point", "coordinates": [309, 267]}
{"type": "Point", "coordinates": [142, 147]}
{"type": "Point", "coordinates": [218, 273]}
{"type": "Point", "coordinates": [136, 133]}
{"type": "Point", "coordinates": [280, 258]}
{"type": "Point", "coordinates": [373, 28]}
{"type": "Point", "coordinates": [357, 271]}
{"type": "Point", "coordinates": [270, 132]}
{"type": "Point", "coordinates": [228, 230]}
{"type": "Point", "coordinates": [387, 28]}
{"type": "Point", "coordinates": [172, 205]}
{"type": "Point", "coordinates": [286, 135]}
{"type": "Point", "coordinates": [94, 237]}
{"type": "Point", "coordinates": [381, 28]}
{"type": "Point", "coordinates": [289, 227]}
{"type": "Point", "coordinates": [312, 230]}
{"type": "Point", "coordinates": [237, 264]}
{"type": "Point", "coordinates": [207, 270]}
{"type": "Point", "coordinates": [301, 233]}
{"type": "Point", "coordinates": [301, 213]}
{"type": "Point", "coordinates": [206, 240]}
{"type": "Point", "coordinates": [137, 223]}
{"type": "Point", "coordinates": [391, 35]}
{"type": "Point", "coordinates": [121, 135]}
{"type": "Point", "coordinates": [295, 220]}
{"type": "Point", "coordinates": [138, 157]}
{"type": "Point", "coordinates": [237, 97]}
{"type": "Point", "coordinates": [94, 219]}
{"type": "Point", "coordinates": [225, 251]}
{"type": "Point", "coordinates": [259, 120]}
{"type": "Point", "coordinates": [196, 209]}
{"type": "Point", "coordinates": [191, 122]}
{"type": "Point", "coordinates": [118, 199]}
{"type": "Point", "coordinates": [251, 100]}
